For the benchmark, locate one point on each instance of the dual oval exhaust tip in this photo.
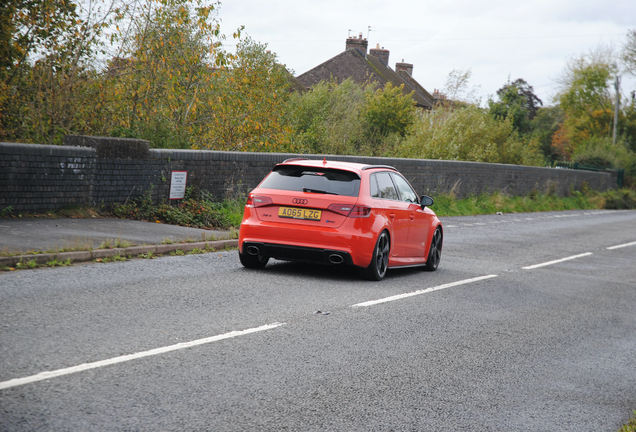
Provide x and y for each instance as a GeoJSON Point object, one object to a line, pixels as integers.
{"type": "Point", "coordinates": [336, 259]}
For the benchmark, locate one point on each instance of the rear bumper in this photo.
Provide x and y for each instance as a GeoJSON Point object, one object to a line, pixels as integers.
{"type": "Point", "coordinates": [298, 253]}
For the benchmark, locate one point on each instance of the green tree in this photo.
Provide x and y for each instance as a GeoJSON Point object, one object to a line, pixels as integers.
{"type": "Point", "coordinates": [586, 102]}
{"type": "Point", "coordinates": [389, 111]}
{"type": "Point", "coordinates": [328, 118]}
{"type": "Point", "coordinates": [628, 54]}
{"type": "Point", "coordinates": [387, 115]}
{"type": "Point", "coordinates": [585, 134]}
{"type": "Point", "coordinates": [587, 88]}
{"type": "Point", "coordinates": [516, 101]}
{"type": "Point", "coordinates": [350, 118]}
{"type": "Point", "coordinates": [544, 125]}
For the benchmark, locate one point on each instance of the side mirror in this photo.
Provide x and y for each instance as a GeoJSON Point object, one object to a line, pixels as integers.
{"type": "Point", "coordinates": [426, 201]}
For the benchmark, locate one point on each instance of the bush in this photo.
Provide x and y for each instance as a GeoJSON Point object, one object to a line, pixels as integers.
{"type": "Point", "coordinates": [622, 199]}
{"type": "Point", "coordinates": [602, 153]}
{"type": "Point", "coordinates": [328, 118]}
{"type": "Point", "coordinates": [349, 119]}
{"type": "Point", "coordinates": [196, 210]}
{"type": "Point", "coordinates": [468, 134]}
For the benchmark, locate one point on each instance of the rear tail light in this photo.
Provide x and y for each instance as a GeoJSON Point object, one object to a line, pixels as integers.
{"type": "Point", "coordinates": [342, 209]}
{"type": "Point", "coordinates": [257, 201]}
{"type": "Point", "coordinates": [360, 212]}
{"type": "Point", "coordinates": [354, 211]}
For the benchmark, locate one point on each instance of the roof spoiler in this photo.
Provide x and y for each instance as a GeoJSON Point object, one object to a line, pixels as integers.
{"type": "Point", "coordinates": [294, 159]}
{"type": "Point", "coordinates": [378, 166]}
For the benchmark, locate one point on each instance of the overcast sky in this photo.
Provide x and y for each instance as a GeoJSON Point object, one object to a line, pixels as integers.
{"type": "Point", "coordinates": [496, 39]}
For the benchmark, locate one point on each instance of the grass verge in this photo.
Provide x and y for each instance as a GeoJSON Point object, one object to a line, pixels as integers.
{"type": "Point", "coordinates": [631, 426]}
{"type": "Point", "coordinates": [449, 205]}
{"type": "Point", "coordinates": [32, 264]}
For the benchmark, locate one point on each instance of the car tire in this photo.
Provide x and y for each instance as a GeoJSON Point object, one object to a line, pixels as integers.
{"type": "Point", "coordinates": [435, 252]}
{"type": "Point", "coordinates": [253, 261]}
{"type": "Point", "coordinates": [380, 261]}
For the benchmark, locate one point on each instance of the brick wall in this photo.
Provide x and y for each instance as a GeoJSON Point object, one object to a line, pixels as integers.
{"type": "Point", "coordinates": [96, 172]}
{"type": "Point", "coordinates": [36, 178]}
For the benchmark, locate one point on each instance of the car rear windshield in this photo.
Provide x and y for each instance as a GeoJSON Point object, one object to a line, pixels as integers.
{"type": "Point", "coordinates": [312, 179]}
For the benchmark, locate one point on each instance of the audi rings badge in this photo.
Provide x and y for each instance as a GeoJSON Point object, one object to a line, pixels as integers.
{"type": "Point", "coordinates": [300, 201]}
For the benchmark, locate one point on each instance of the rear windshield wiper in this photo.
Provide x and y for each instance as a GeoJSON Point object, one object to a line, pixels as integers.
{"type": "Point", "coordinates": [319, 191]}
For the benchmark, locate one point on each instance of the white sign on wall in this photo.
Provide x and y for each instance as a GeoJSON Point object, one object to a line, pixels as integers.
{"type": "Point", "coordinates": [178, 184]}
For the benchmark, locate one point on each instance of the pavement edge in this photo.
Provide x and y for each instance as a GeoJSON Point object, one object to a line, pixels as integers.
{"type": "Point", "coordinates": [133, 251]}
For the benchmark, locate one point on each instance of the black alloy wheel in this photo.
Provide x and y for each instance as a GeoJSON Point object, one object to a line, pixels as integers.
{"type": "Point", "coordinates": [380, 261]}
{"type": "Point", "coordinates": [435, 253]}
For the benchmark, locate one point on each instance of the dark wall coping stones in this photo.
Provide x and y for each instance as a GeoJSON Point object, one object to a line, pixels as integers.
{"type": "Point", "coordinates": [111, 148]}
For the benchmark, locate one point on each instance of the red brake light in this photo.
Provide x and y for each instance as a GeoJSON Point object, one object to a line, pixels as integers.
{"type": "Point", "coordinates": [354, 211]}
{"type": "Point", "coordinates": [257, 201]}
{"type": "Point", "coordinates": [360, 212]}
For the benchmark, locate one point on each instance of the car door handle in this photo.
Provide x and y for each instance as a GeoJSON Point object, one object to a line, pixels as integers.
{"type": "Point", "coordinates": [392, 215]}
{"type": "Point", "coordinates": [412, 216]}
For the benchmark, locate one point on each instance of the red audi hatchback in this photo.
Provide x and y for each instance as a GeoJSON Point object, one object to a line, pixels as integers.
{"type": "Point", "coordinates": [339, 213]}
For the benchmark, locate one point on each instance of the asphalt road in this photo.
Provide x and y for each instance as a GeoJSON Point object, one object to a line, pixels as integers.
{"type": "Point", "coordinates": [484, 344]}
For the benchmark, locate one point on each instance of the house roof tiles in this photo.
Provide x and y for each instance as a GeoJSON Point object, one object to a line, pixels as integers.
{"type": "Point", "coordinates": [363, 68]}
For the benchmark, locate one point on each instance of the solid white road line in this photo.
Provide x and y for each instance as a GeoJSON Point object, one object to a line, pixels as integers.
{"type": "Point", "coordinates": [557, 261]}
{"type": "Point", "coordinates": [86, 366]}
{"type": "Point", "coordinates": [621, 246]}
{"type": "Point", "coordinates": [424, 291]}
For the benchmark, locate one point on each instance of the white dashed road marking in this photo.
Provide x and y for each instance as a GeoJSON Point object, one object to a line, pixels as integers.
{"type": "Point", "coordinates": [621, 246]}
{"type": "Point", "coordinates": [557, 261]}
{"type": "Point", "coordinates": [424, 291]}
{"type": "Point", "coordinates": [86, 366]}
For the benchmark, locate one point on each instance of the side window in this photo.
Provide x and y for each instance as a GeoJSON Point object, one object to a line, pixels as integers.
{"type": "Point", "coordinates": [382, 186]}
{"type": "Point", "coordinates": [375, 191]}
{"type": "Point", "coordinates": [406, 191]}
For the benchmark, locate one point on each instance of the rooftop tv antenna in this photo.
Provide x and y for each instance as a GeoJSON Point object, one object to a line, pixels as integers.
{"type": "Point", "coordinates": [369, 29]}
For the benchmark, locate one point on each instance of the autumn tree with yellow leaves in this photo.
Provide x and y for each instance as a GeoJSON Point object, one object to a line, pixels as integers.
{"type": "Point", "coordinates": [158, 84]}
{"type": "Point", "coordinates": [47, 49]}
{"type": "Point", "coordinates": [151, 69]}
{"type": "Point", "coordinates": [247, 106]}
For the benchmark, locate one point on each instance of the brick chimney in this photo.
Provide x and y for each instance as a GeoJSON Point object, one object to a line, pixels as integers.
{"type": "Point", "coordinates": [358, 43]}
{"type": "Point", "coordinates": [382, 54]}
{"type": "Point", "coordinates": [406, 67]}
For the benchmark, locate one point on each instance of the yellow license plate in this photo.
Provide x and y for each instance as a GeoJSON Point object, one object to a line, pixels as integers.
{"type": "Point", "coordinates": [299, 213]}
